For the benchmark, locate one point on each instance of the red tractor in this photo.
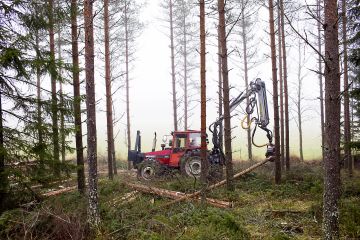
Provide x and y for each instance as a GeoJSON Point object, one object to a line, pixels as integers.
{"type": "Point", "coordinates": [183, 147]}
{"type": "Point", "coordinates": [180, 150]}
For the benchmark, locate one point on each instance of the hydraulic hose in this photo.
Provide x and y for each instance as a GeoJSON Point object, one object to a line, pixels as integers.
{"type": "Point", "coordinates": [252, 139]}
{"type": "Point", "coordinates": [248, 124]}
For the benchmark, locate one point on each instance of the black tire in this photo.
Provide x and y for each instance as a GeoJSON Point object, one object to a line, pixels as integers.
{"type": "Point", "coordinates": [148, 170]}
{"type": "Point", "coordinates": [190, 166]}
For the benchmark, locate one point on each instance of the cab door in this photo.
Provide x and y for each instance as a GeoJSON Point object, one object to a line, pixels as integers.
{"type": "Point", "coordinates": [179, 147]}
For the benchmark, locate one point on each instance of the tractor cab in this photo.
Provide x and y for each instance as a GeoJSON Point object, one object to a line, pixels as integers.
{"type": "Point", "coordinates": [181, 142]}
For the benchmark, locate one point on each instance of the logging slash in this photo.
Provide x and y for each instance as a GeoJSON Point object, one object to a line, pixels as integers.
{"type": "Point", "coordinates": [218, 184]}
{"type": "Point", "coordinates": [177, 195]}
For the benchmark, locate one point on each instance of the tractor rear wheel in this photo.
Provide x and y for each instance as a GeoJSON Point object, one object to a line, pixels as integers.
{"type": "Point", "coordinates": [148, 170]}
{"type": "Point", "coordinates": [191, 166]}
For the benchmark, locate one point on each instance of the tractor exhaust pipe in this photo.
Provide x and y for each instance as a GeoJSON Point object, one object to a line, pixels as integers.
{"type": "Point", "coordinates": [154, 143]}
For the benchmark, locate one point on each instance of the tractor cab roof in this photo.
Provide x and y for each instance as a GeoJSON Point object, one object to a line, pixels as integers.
{"type": "Point", "coordinates": [186, 131]}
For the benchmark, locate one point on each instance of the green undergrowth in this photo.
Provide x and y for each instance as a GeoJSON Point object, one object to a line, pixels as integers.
{"type": "Point", "coordinates": [262, 210]}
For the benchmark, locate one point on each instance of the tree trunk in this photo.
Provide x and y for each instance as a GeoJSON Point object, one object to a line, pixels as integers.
{"type": "Point", "coordinates": [93, 208]}
{"type": "Point", "coordinates": [275, 94]}
{"type": "Point", "coordinates": [220, 89]}
{"type": "Point", "coordinates": [39, 106]}
{"type": "Point", "coordinates": [54, 107]}
{"type": "Point", "coordinates": [204, 160]}
{"type": "Point", "coordinates": [320, 82]}
{"type": "Point", "coordinates": [77, 100]}
{"type": "Point", "coordinates": [3, 175]}
{"type": "Point", "coordinates": [109, 114]}
{"type": "Point", "coordinates": [173, 66]}
{"type": "Point", "coordinates": [114, 156]}
{"type": "Point", "coordinates": [185, 74]}
{"type": "Point", "coordinates": [299, 107]}
{"type": "Point", "coordinates": [282, 147]}
{"type": "Point", "coordinates": [226, 90]}
{"type": "Point", "coordinates": [332, 123]}
{"type": "Point", "coordinates": [62, 122]}
{"type": "Point", "coordinates": [245, 56]}
{"type": "Point", "coordinates": [347, 136]}
{"type": "Point", "coordinates": [287, 146]}
{"type": "Point", "coordinates": [127, 83]}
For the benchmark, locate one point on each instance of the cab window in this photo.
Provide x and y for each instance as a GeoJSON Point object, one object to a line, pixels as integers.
{"type": "Point", "coordinates": [195, 140]}
{"type": "Point", "coordinates": [180, 141]}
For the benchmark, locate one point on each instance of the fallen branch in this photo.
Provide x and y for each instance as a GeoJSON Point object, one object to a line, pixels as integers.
{"type": "Point", "coordinates": [177, 195]}
{"type": "Point", "coordinates": [198, 193]}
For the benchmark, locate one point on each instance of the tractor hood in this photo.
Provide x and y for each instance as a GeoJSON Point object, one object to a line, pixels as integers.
{"type": "Point", "coordinates": [158, 154]}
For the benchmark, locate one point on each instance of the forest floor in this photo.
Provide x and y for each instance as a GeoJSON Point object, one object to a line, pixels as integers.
{"type": "Point", "coordinates": [262, 210]}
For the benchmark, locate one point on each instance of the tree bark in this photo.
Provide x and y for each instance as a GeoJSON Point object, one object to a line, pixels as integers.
{"type": "Point", "coordinates": [332, 123]}
{"type": "Point", "coordinates": [275, 94]}
{"type": "Point", "coordinates": [204, 160]}
{"type": "Point", "coordinates": [185, 73]}
{"type": "Point", "coordinates": [127, 82]}
{"type": "Point", "coordinates": [245, 56]}
{"type": "Point", "coordinates": [93, 208]}
{"type": "Point", "coordinates": [299, 106]}
{"type": "Point", "coordinates": [77, 100]}
{"type": "Point", "coordinates": [281, 80]}
{"type": "Point", "coordinates": [347, 134]}
{"type": "Point", "coordinates": [114, 157]}
{"type": "Point", "coordinates": [62, 120]}
{"type": "Point", "coordinates": [3, 175]}
{"type": "Point", "coordinates": [54, 107]}
{"type": "Point", "coordinates": [109, 113]}
{"type": "Point", "coordinates": [226, 90]}
{"type": "Point", "coordinates": [320, 82]}
{"type": "Point", "coordinates": [220, 89]}
{"type": "Point", "coordinates": [173, 66]}
{"type": "Point", "coordinates": [39, 106]}
{"type": "Point", "coordinates": [286, 95]}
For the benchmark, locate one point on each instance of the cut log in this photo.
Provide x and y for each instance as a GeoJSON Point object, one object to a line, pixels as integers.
{"type": "Point", "coordinates": [53, 183]}
{"type": "Point", "coordinates": [127, 198]}
{"type": "Point", "coordinates": [218, 184]}
{"type": "Point", "coordinates": [57, 192]}
{"type": "Point", "coordinates": [177, 195]}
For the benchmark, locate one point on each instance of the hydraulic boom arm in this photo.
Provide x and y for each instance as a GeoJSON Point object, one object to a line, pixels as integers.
{"type": "Point", "coordinates": [256, 93]}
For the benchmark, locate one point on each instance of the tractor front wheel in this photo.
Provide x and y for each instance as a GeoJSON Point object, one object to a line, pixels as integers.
{"type": "Point", "coordinates": [148, 170]}
{"type": "Point", "coordinates": [191, 166]}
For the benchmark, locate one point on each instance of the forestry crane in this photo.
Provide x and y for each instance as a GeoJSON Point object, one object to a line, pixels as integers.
{"type": "Point", "coordinates": [183, 151]}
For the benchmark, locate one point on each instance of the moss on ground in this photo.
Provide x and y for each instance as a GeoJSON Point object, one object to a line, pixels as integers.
{"type": "Point", "coordinates": [263, 210]}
